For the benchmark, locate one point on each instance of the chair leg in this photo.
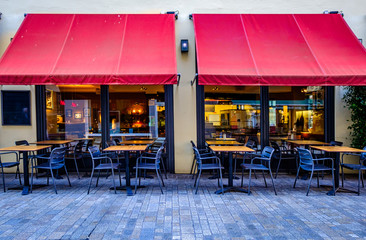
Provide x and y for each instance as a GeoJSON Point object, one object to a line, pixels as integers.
{"type": "Point", "coordinates": [297, 175]}
{"type": "Point", "coordinates": [333, 180]}
{"type": "Point", "coordinates": [234, 173]}
{"type": "Point", "coordinates": [119, 174]}
{"type": "Point", "coordinates": [98, 178]}
{"type": "Point", "coordinates": [311, 177]}
{"type": "Point", "coordinates": [362, 179]}
{"type": "Point", "coordinates": [193, 166]}
{"type": "Point", "coordinates": [274, 188]}
{"type": "Point", "coordinates": [20, 179]}
{"type": "Point", "coordinates": [342, 175]}
{"type": "Point", "coordinates": [91, 178]}
{"type": "Point", "coordinates": [250, 180]}
{"type": "Point", "coordinates": [278, 167]}
{"type": "Point", "coordinates": [317, 178]}
{"type": "Point", "coordinates": [77, 169]}
{"type": "Point", "coordinates": [157, 174]}
{"type": "Point", "coordinates": [161, 177]}
{"type": "Point", "coordinates": [163, 164]}
{"type": "Point", "coordinates": [195, 180]}
{"type": "Point", "coordinates": [264, 177]}
{"type": "Point", "coordinates": [222, 183]}
{"type": "Point", "coordinates": [31, 186]}
{"type": "Point", "coordinates": [137, 170]}
{"type": "Point", "coordinates": [2, 173]}
{"type": "Point", "coordinates": [114, 182]}
{"type": "Point", "coordinates": [198, 180]}
{"type": "Point", "coordinates": [67, 175]}
{"type": "Point", "coordinates": [359, 180]}
{"type": "Point", "coordinates": [242, 176]}
{"type": "Point", "coordinates": [53, 180]}
{"type": "Point", "coordinates": [194, 169]}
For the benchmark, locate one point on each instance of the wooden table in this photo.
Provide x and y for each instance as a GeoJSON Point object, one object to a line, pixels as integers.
{"type": "Point", "coordinates": [231, 150]}
{"type": "Point", "coordinates": [24, 149]}
{"type": "Point", "coordinates": [337, 150]}
{"type": "Point", "coordinates": [137, 142]}
{"type": "Point", "coordinates": [219, 142]}
{"type": "Point", "coordinates": [307, 143]}
{"type": "Point", "coordinates": [126, 149]}
{"type": "Point", "coordinates": [53, 142]}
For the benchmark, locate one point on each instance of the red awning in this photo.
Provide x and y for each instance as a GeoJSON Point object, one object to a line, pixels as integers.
{"type": "Point", "coordinates": [278, 49]}
{"type": "Point", "coordinates": [92, 49]}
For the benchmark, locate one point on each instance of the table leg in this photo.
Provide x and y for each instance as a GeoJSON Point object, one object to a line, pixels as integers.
{"type": "Point", "coordinates": [26, 174]}
{"type": "Point", "coordinates": [128, 181]}
{"type": "Point", "coordinates": [336, 174]}
{"type": "Point", "coordinates": [230, 186]}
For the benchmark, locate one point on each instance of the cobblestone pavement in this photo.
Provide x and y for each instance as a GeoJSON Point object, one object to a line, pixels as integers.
{"type": "Point", "coordinates": [179, 213]}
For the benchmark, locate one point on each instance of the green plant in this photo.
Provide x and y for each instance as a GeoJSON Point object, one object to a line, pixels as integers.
{"type": "Point", "coordinates": [355, 99]}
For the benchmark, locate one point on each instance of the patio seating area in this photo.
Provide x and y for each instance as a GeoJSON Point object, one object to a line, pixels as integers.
{"type": "Point", "coordinates": [179, 213]}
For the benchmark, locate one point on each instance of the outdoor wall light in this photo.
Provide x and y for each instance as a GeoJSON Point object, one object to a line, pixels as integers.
{"type": "Point", "coordinates": [184, 45]}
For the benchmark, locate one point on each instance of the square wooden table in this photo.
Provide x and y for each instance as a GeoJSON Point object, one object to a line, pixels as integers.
{"type": "Point", "coordinates": [137, 142]}
{"type": "Point", "coordinates": [230, 150]}
{"type": "Point", "coordinates": [126, 149]}
{"type": "Point", "coordinates": [24, 149]}
{"type": "Point", "coordinates": [337, 150]}
{"type": "Point", "coordinates": [220, 142]}
{"type": "Point", "coordinates": [53, 142]}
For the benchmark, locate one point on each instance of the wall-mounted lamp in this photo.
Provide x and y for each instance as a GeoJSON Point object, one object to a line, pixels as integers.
{"type": "Point", "coordinates": [176, 12]}
{"type": "Point", "coordinates": [184, 45]}
{"type": "Point", "coordinates": [334, 12]}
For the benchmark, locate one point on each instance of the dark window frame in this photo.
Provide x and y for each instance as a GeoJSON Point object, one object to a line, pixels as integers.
{"type": "Point", "coordinates": [28, 105]}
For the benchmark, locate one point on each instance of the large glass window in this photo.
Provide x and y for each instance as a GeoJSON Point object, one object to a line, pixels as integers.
{"type": "Point", "coordinates": [73, 111]}
{"type": "Point", "coordinates": [232, 112]}
{"type": "Point", "coordinates": [297, 112]}
{"type": "Point", "coordinates": [137, 111]}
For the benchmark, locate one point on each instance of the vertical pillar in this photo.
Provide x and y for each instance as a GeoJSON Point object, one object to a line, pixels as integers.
{"type": "Point", "coordinates": [264, 101]}
{"type": "Point", "coordinates": [41, 118]}
{"type": "Point", "coordinates": [200, 109]}
{"type": "Point", "coordinates": [169, 127]}
{"type": "Point", "coordinates": [329, 119]}
{"type": "Point", "coordinates": [104, 102]}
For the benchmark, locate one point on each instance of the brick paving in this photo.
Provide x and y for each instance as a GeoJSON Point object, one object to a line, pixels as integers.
{"type": "Point", "coordinates": [179, 213]}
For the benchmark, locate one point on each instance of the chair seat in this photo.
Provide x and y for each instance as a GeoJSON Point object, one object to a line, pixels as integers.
{"type": "Point", "coordinates": [254, 166]}
{"type": "Point", "coordinates": [103, 166]}
{"type": "Point", "coordinates": [47, 166]}
{"type": "Point", "coordinates": [209, 166]}
{"type": "Point", "coordinates": [147, 166]}
{"type": "Point", "coordinates": [9, 164]}
{"type": "Point", "coordinates": [354, 166]}
{"type": "Point", "coordinates": [317, 167]}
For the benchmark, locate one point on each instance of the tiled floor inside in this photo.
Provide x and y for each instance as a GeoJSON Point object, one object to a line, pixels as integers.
{"type": "Point", "coordinates": [179, 213]}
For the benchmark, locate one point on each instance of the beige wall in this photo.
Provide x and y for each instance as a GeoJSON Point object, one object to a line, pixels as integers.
{"type": "Point", "coordinates": [184, 94]}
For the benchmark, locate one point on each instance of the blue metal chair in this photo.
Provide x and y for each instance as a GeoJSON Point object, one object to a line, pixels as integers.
{"type": "Point", "coordinates": [355, 167]}
{"type": "Point", "coordinates": [9, 165]}
{"type": "Point", "coordinates": [202, 151]}
{"type": "Point", "coordinates": [282, 154]}
{"type": "Point", "coordinates": [308, 163]}
{"type": "Point", "coordinates": [264, 164]}
{"type": "Point", "coordinates": [216, 164]}
{"type": "Point", "coordinates": [100, 162]}
{"type": "Point", "coordinates": [150, 162]}
{"type": "Point", "coordinates": [76, 153]}
{"type": "Point", "coordinates": [55, 161]}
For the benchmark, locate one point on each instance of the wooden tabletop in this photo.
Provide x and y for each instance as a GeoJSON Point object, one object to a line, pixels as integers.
{"type": "Point", "coordinates": [81, 139]}
{"type": "Point", "coordinates": [126, 148]}
{"type": "Point", "coordinates": [338, 149]}
{"type": "Point", "coordinates": [137, 142]}
{"type": "Point", "coordinates": [25, 148]}
{"type": "Point", "coordinates": [307, 142]}
{"type": "Point", "coordinates": [231, 149]}
{"type": "Point", "coordinates": [219, 142]}
{"type": "Point", "coordinates": [53, 142]}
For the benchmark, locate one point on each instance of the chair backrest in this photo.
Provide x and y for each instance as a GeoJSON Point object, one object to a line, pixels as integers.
{"type": "Point", "coordinates": [116, 141]}
{"type": "Point", "coordinates": [158, 155]}
{"type": "Point", "coordinates": [21, 142]}
{"type": "Point", "coordinates": [198, 155]}
{"type": "Point", "coordinates": [58, 155]}
{"type": "Point", "coordinates": [78, 149]}
{"type": "Point", "coordinates": [94, 152]}
{"type": "Point", "coordinates": [305, 156]}
{"type": "Point", "coordinates": [267, 152]}
{"type": "Point", "coordinates": [363, 155]}
{"type": "Point", "coordinates": [250, 143]}
{"type": "Point", "coordinates": [277, 150]}
{"type": "Point", "coordinates": [193, 145]}
{"type": "Point", "coordinates": [336, 143]}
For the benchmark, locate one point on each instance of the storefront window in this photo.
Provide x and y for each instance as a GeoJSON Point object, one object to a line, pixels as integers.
{"type": "Point", "coordinates": [137, 111]}
{"type": "Point", "coordinates": [73, 111]}
{"type": "Point", "coordinates": [232, 112]}
{"type": "Point", "coordinates": [297, 112]}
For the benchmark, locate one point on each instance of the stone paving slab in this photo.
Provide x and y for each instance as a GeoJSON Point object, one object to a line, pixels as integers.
{"type": "Point", "coordinates": [179, 213]}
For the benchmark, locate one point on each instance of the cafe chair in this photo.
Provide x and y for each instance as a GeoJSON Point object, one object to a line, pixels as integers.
{"type": "Point", "coordinates": [56, 161]}
{"type": "Point", "coordinates": [203, 151]}
{"type": "Point", "coordinates": [215, 164]}
{"type": "Point", "coordinates": [263, 164]}
{"type": "Point", "coordinates": [246, 156]}
{"type": "Point", "coordinates": [152, 150]}
{"type": "Point", "coordinates": [282, 154]}
{"type": "Point", "coordinates": [76, 153]}
{"type": "Point", "coordinates": [10, 165]}
{"type": "Point", "coordinates": [100, 162]}
{"type": "Point", "coordinates": [150, 162]}
{"type": "Point", "coordinates": [355, 167]}
{"type": "Point", "coordinates": [310, 164]}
